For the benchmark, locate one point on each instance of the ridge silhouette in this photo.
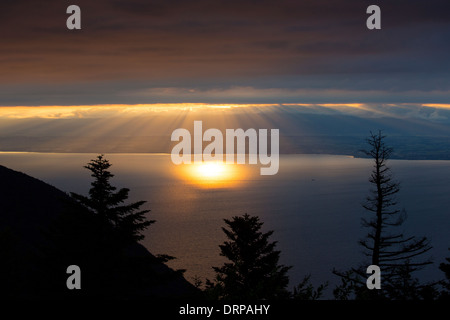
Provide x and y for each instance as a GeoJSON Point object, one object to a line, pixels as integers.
{"type": "Point", "coordinates": [43, 231]}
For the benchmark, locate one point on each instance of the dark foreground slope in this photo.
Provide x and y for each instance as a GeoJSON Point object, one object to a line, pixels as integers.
{"type": "Point", "coordinates": [42, 232]}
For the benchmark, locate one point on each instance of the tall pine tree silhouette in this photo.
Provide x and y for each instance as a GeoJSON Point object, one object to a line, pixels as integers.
{"type": "Point", "coordinates": [388, 248]}
{"type": "Point", "coordinates": [253, 271]}
{"type": "Point", "coordinates": [397, 255]}
{"type": "Point", "coordinates": [128, 220]}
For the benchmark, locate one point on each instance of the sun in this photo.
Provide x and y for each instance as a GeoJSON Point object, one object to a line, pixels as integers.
{"type": "Point", "coordinates": [211, 170]}
{"type": "Point", "coordinates": [212, 174]}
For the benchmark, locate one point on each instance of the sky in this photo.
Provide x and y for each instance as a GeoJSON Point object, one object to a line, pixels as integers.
{"type": "Point", "coordinates": [221, 52]}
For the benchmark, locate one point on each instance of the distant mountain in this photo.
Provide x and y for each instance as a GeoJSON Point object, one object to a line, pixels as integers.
{"type": "Point", "coordinates": [41, 230]}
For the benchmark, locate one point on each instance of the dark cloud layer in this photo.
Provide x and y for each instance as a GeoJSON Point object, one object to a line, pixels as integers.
{"type": "Point", "coordinates": [127, 48]}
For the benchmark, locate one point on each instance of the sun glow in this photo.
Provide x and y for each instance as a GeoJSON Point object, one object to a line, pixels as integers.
{"type": "Point", "coordinates": [110, 110]}
{"type": "Point", "coordinates": [213, 174]}
{"type": "Point", "coordinates": [211, 170]}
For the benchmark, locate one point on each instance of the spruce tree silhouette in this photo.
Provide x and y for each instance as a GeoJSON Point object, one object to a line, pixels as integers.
{"type": "Point", "coordinates": [445, 267]}
{"type": "Point", "coordinates": [253, 271]}
{"type": "Point", "coordinates": [101, 235]}
{"type": "Point", "coordinates": [306, 291]}
{"type": "Point", "coordinates": [127, 219]}
{"type": "Point", "coordinates": [395, 254]}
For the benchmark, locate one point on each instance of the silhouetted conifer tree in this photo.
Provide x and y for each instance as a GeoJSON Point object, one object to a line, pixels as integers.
{"type": "Point", "coordinates": [253, 271]}
{"type": "Point", "coordinates": [387, 248]}
{"type": "Point", "coordinates": [445, 267]}
{"type": "Point", "coordinates": [99, 233]}
{"type": "Point", "coordinates": [306, 291]}
{"type": "Point", "coordinates": [107, 203]}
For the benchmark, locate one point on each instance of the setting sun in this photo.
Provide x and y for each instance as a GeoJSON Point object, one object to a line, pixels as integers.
{"type": "Point", "coordinates": [213, 174]}
{"type": "Point", "coordinates": [211, 170]}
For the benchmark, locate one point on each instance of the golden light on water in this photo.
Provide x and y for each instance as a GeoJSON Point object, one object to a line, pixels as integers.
{"type": "Point", "coordinates": [213, 174]}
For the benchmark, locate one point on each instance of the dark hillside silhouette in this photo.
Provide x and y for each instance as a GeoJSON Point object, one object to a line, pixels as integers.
{"type": "Point", "coordinates": [27, 205]}
{"type": "Point", "coordinates": [42, 231]}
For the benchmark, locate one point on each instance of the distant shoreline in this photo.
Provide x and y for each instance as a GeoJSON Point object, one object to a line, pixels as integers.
{"type": "Point", "coordinates": [168, 154]}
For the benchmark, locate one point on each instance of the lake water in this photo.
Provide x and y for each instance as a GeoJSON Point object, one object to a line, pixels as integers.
{"type": "Point", "coordinates": [313, 204]}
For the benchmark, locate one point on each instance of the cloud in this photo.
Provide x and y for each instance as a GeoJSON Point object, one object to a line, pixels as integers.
{"type": "Point", "coordinates": [116, 93]}
{"type": "Point", "coordinates": [215, 47]}
{"type": "Point", "coordinates": [251, 94]}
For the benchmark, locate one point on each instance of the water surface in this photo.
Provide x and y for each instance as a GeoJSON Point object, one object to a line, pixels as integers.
{"type": "Point", "coordinates": [313, 204]}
